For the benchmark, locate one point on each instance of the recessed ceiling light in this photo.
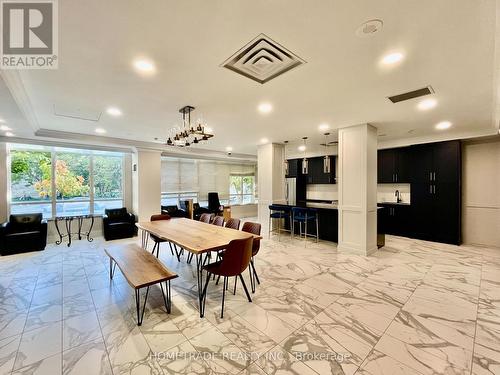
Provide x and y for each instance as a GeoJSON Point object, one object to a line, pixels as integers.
{"type": "Point", "coordinates": [229, 149]}
{"type": "Point", "coordinates": [265, 108]}
{"type": "Point", "coordinates": [4, 128]}
{"type": "Point", "coordinates": [324, 127]}
{"type": "Point", "coordinates": [113, 111]}
{"type": "Point", "coordinates": [100, 131]}
{"type": "Point", "coordinates": [443, 125]}
{"type": "Point", "coordinates": [144, 66]}
{"type": "Point", "coordinates": [264, 140]}
{"type": "Point", "coordinates": [392, 58]}
{"type": "Point", "coordinates": [427, 104]}
{"type": "Point", "coordinates": [2, 121]}
{"type": "Point", "coordinates": [301, 148]}
{"type": "Point", "coordinates": [9, 134]}
{"type": "Point", "coordinates": [208, 130]}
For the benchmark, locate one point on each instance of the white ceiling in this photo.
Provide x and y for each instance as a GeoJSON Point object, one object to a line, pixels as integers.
{"type": "Point", "coordinates": [448, 44]}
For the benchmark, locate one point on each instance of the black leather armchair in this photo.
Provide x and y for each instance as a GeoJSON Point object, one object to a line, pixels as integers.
{"type": "Point", "coordinates": [118, 223]}
{"type": "Point", "coordinates": [173, 211]}
{"type": "Point", "coordinates": [23, 233]}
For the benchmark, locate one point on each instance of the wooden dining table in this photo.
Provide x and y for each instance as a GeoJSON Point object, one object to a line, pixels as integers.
{"type": "Point", "coordinates": [194, 237]}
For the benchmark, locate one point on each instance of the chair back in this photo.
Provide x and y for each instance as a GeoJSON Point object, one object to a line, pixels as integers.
{"type": "Point", "coordinates": [115, 213]}
{"type": "Point", "coordinates": [206, 218]}
{"type": "Point", "coordinates": [236, 257]}
{"type": "Point", "coordinates": [253, 228]}
{"type": "Point", "coordinates": [233, 223]}
{"type": "Point", "coordinates": [219, 221]}
{"type": "Point", "coordinates": [160, 217]}
{"type": "Point", "coordinates": [25, 222]}
{"type": "Point", "coordinates": [213, 201]}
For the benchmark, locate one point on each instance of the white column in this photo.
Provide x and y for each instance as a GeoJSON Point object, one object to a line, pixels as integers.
{"type": "Point", "coordinates": [3, 182]}
{"type": "Point", "coordinates": [357, 180]}
{"type": "Point", "coordinates": [271, 179]}
{"type": "Point", "coordinates": [146, 184]}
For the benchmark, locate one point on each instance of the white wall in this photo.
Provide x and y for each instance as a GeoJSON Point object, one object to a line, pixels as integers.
{"type": "Point", "coordinates": [481, 193]}
{"type": "Point", "coordinates": [244, 211]}
{"type": "Point", "coordinates": [271, 176]}
{"type": "Point", "coordinates": [146, 184]}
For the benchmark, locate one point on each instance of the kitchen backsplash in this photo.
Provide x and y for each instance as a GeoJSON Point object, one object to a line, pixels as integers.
{"type": "Point", "coordinates": [327, 192]}
{"type": "Point", "coordinates": [386, 192]}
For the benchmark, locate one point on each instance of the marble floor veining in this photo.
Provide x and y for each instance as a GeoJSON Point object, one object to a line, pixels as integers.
{"type": "Point", "coordinates": [414, 307]}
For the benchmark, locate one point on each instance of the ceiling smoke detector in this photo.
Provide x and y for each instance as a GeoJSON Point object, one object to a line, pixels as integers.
{"type": "Point", "coordinates": [262, 59]}
{"type": "Point", "coordinates": [369, 28]}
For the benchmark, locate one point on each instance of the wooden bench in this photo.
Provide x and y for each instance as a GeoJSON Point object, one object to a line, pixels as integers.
{"type": "Point", "coordinates": [141, 269]}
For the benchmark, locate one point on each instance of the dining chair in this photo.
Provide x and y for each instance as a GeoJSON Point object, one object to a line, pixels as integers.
{"type": "Point", "coordinates": [253, 228]}
{"type": "Point", "coordinates": [235, 261]}
{"type": "Point", "coordinates": [219, 221]}
{"type": "Point", "coordinates": [233, 223]}
{"type": "Point", "coordinates": [206, 218]}
{"type": "Point", "coordinates": [158, 240]}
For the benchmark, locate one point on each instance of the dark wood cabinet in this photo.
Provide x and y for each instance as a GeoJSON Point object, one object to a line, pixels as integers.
{"type": "Point", "coordinates": [436, 192]}
{"type": "Point", "coordinates": [316, 173]}
{"type": "Point", "coordinates": [394, 166]}
{"type": "Point", "coordinates": [293, 167]}
{"type": "Point", "coordinates": [396, 219]}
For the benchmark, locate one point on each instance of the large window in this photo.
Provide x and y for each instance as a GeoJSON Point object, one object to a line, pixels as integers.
{"type": "Point", "coordinates": [241, 189]}
{"type": "Point", "coordinates": [183, 179]}
{"type": "Point", "coordinates": [84, 182]}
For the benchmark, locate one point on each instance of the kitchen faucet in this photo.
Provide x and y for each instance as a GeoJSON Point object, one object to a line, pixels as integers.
{"type": "Point", "coordinates": [398, 196]}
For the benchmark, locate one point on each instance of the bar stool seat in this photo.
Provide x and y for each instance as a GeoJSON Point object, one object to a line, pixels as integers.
{"type": "Point", "coordinates": [303, 216]}
{"type": "Point", "coordinates": [279, 212]}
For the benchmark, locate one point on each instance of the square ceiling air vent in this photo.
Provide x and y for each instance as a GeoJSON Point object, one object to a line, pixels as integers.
{"type": "Point", "coordinates": [262, 59]}
{"type": "Point", "coordinates": [411, 94]}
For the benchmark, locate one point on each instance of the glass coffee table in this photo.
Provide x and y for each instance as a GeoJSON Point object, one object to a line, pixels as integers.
{"type": "Point", "coordinates": [68, 220]}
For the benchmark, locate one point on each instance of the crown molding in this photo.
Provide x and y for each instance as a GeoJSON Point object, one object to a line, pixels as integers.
{"type": "Point", "coordinates": [14, 83]}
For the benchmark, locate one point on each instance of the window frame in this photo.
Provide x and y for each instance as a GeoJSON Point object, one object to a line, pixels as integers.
{"type": "Point", "coordinates": [53, 201]}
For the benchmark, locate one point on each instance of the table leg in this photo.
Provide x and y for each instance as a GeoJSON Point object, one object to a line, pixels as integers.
{"type": "Point", "coordinates": [199, 274]}
{"type": "Point", "coordinates": [68, 230]}
{"type": "Point", "coordinates": [90, 239]}
{"type": "Point", "coordinates": [80, 223]}
{"type": "Point", "coordinates": [59, 241]}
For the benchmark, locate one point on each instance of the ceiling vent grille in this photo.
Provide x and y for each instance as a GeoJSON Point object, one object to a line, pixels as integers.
{"type": "Point", "coordinates": [262, 59]}
{"type": "Point", "coordinates": [411, 94]}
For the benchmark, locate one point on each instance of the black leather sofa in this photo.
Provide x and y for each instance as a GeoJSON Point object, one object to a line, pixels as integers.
{"type": "Point", "coordinates": [118, 223]}
{"type": "Point", "coordinates": [23, 233]}
{"type": "Point", "coordinates": [174, 211]}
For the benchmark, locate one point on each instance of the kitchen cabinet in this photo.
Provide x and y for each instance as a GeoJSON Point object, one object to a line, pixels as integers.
{"type": "Point", "coordinates": [394, 165]}
{"type": "Point", "coordinates": [293, 167]}
{"type": "Point", "coordinates": [436, 192]}
{"type": "Point", "coordinates": [316, 174]}
{"type": "Point", "coordinates": [395, 219]}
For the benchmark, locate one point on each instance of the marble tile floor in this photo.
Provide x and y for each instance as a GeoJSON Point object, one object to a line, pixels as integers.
{"type": "Point", "coordinates": [414, 307]}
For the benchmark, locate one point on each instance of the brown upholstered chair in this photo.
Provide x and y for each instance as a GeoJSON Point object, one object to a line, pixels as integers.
{"type": "Point", "coordinates": [253, 228]}
{"type": "Point", "coordinates": [233, 223]}
{"type": "Point", "coordinates": [206, 218]}
{"type": "Point", "coordinates": [219, 221]}
{"type": "Point", "coordinates": [235, 261]}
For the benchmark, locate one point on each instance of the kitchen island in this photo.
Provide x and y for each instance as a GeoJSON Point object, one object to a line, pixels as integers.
{"type": "Point", "coordinates": [328, 220]}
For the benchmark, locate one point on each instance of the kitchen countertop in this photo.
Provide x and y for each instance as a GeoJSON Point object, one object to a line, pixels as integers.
{"type": "Point", "coordinates": [328, 206]}
{"type": "Point", "coordinates": [396, 203]}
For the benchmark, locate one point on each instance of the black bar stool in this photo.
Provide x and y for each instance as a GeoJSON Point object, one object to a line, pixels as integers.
{"type": "Point", "coordinates": [303, 216]}
{"type": "Point", "coordinates": [278, 212]}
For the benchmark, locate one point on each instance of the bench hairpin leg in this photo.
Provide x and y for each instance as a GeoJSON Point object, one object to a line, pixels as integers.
{"type": "Point", "coordinates": [140, 316]}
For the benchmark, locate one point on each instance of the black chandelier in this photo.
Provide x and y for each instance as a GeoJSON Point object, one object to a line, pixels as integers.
{"type": "Point", "coordinates": [189, 134]}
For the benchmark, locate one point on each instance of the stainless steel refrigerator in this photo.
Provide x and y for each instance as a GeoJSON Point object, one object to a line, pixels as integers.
{"type": "Point", "coordinates": [291, 191]}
